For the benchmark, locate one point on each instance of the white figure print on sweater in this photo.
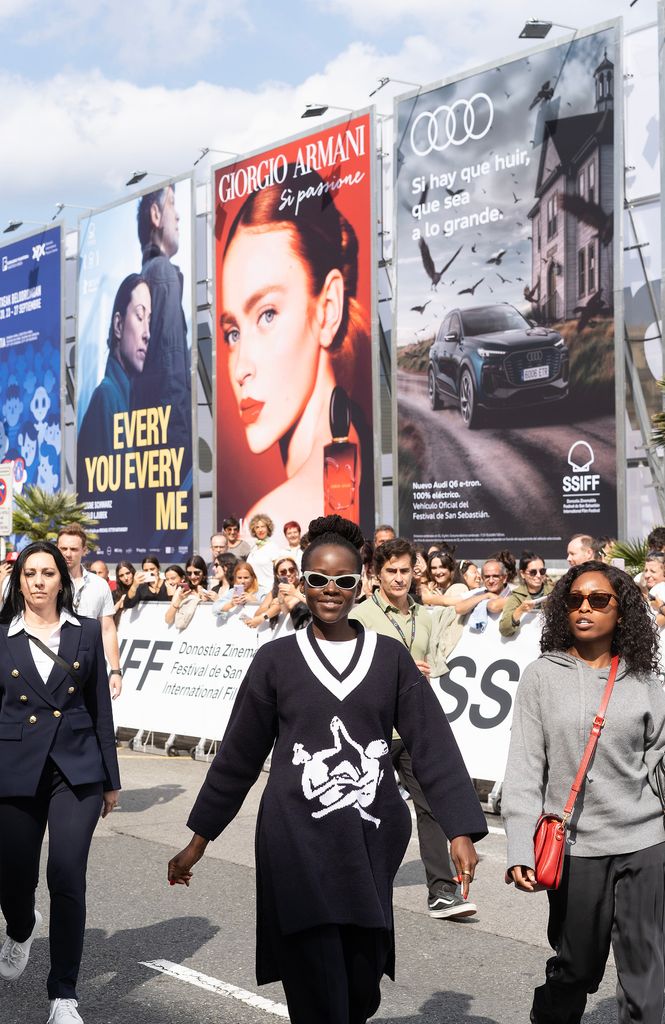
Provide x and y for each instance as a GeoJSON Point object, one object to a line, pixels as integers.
{"type": "Point", "coordinates": [347, 783]}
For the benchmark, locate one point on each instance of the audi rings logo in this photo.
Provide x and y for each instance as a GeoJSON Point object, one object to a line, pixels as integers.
{"type": "Point", "coordinates": [452, 125]}
{"type": "Point", "coordinates": [534, 357]}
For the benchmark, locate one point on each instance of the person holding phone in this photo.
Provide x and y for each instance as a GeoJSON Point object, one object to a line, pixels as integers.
{"type": "Point", "coordinates": [528, 596]}
{"type": "Point", "coordinates": [147, 584]}
{"type": "Point", "coordinates": [245, 592]}
{"type": "Point", "coordinates": [190, 593]}
{"type": "Point", "coordinates": [284, 609]}
{"type": "Point", "coordinates": [332, 829]}
{"type": "Point", "coordinates": [58, 765]}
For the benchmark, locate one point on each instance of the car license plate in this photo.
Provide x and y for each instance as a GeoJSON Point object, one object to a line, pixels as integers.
{"type": "Point", "coordinates": [535, 373]}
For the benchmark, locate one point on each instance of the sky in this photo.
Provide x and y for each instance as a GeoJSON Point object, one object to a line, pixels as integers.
{"type": "Point", "coordinates": [92, 90]}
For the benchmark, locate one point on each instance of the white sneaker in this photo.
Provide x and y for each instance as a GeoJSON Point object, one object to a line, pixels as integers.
{"type": "Point", "coordinates": [14, 955]}
{"type": "Point", "coordinates": [63, 1011]}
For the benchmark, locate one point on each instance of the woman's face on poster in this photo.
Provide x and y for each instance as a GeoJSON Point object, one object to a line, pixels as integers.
{"type": "Point", "coordinates": [133, 331]}
{"type": "Point", "coordinates": [272, 326]}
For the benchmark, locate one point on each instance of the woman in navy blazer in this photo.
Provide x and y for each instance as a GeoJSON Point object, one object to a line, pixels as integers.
{"type": "Point", "coordinates": [58, 765]}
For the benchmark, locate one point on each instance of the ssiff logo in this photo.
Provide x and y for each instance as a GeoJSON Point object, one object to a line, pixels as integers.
{"type": "Point", "coordinates": [38, 251]}
{"type": "Point", "coordinates": [580, 460]}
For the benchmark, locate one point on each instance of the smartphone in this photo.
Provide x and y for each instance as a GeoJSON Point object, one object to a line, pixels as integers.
{"type": "Point", "coordinates": [149, 577]}
{"type": "Point", "coordinates": [185, 587]}
{"type": "Point", "coordinates": [538, 600]}
{"type": "Point", "coordinates": [239, 590]}
{"type": "Point", "coordinates": [282, 579]}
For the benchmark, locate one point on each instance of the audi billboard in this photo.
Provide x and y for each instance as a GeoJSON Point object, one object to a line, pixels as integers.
{"type": "Point", "coordinates": [504, 334]}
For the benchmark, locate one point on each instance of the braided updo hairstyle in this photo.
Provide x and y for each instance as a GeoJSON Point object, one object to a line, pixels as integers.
{"type": "Point", "coordinates": [323, 240]}
{"type": "Point", "coordinates": [334, 530]}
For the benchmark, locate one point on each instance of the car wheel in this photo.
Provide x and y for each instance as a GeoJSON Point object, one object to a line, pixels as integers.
{"type": "Point", "coordinates": [467, 400]}
{"type": "Point", "coordinates": [434, 399]}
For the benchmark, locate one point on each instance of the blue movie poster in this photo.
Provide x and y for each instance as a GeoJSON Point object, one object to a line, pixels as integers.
{"type": "Point", "coordinates": [30, 338]}
{"type": "Point", "coordinates": [134, 366]}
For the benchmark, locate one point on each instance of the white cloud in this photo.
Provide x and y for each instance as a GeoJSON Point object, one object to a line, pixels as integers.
{"type": "Point", "coordinates": [80, 135]}
{"type": "Point", "coordinates": [149, 35]}
{"type": "Point", "coordinates": [475, 31]}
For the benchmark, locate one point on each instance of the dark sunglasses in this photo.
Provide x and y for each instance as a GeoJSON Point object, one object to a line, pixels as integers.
{"type": "Point", "coordinates": [535, 572]}
{"type": "Point", "coordinates": [598, 600]}
{"type": "Point", "coordinates": [194, 572]}
{"type": "Point", "coordinates": [318, 580]}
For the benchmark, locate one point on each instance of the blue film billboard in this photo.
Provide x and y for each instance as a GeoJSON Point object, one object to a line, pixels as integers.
{"type": "Point", "coordinates": [30, 346]}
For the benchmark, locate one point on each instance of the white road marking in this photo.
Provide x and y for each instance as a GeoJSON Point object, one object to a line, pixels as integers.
{"type": "Point", "coordinates": [222, 988]}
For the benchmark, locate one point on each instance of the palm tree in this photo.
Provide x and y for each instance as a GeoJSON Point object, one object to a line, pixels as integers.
{"type": "Point", "coordinates": [39, 515]}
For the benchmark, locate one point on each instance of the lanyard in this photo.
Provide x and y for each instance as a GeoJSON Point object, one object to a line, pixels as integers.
{"type": "Point", "coordinates": [393, 622]}
{"type": "Point", "coordinates": [78, 593]}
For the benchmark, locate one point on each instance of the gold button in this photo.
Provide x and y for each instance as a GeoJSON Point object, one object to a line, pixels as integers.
{"type": "Point", "coordinates": [76, 664]}
{"type": "Point", "coordinates": [72, 689]}
{"type": "Point", "coordinates": [15, 673]}
{"type": "Point", "coordinates": [32, 719]}
{"type": "Point", "coordinates": [57, 714]}
{"type": "Point", "coordinates": [23, 699]}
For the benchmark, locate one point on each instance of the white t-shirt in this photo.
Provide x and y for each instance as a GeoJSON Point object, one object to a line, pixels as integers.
{"type": "Point", "coordinates": [338, 652]}
{"type": "Point", "coordinates": [92, 596]}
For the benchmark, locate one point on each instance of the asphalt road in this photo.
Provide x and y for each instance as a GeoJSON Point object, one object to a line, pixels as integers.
{"type": "Point", "coordinates": [520, 457]}
{"type": "Point", "coordinates": [481, 971]}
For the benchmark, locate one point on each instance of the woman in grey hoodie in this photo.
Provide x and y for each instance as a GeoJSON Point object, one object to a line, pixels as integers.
{"type": "Point", "coordinates": [612, 889]}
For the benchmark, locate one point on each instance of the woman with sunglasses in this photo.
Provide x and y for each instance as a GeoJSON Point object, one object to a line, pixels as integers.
{"type": "Point", "coordinates": [612, 890]}
{"type": "Point", "coordinates": [332, 829]}
{"type": "Point", "coordinates": [284, 608]}
{"type": "Point", "coordinates": [192, 592]}
{"type": "Point", "coordinates": [529, 596]}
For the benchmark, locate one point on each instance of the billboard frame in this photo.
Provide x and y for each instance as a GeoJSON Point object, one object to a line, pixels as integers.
{"type": "Point", "coordinates": [194, 350]}
{"type": "Point", "coordinates": [58, 225]}
{"type": "Point", "coordinates": [619, 191]}
{"type": "Point", "coordinates": [373, 310]}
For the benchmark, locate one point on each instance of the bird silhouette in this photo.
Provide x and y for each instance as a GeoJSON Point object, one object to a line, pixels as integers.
{"type": "Point", "coordinates": [428, 263]}
{"type": "Point", "coordinates": [471, 289]}
{"type": "Point", "coordinates": [591, 214]}
{"type": "Point", "coordinates": [455, 191]}
{"type": "Point", "coordinates": [474, 247]}
{"type": "Point", "coordinates": [595, 306]}
{"type": "Point", "coordinates": [504, 280]}
{"type": "Point", "coordinates": [496, 257]}
{"type": "Point", "coordinates": [546, 92]}
{"type": "Point", "coordinates": [516, 199]}
{"type": "Point", "coordinates": [531, 294]}
{"type": "Point", "coordinates": [420, 309]}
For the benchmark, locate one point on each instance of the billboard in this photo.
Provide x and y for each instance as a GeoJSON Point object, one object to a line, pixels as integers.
{"type": "Point", "coordinates": [30, 359]}
{"type": "Point", "coordinates": [293, 314]}
{"type": "Point", "coordinates": [134, 373]}
{"type": "Point", "coordinates": [505, 329]}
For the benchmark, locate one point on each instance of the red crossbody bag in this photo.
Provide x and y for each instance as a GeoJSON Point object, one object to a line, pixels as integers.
{"type": "Point", "coordinates": [549, 839]}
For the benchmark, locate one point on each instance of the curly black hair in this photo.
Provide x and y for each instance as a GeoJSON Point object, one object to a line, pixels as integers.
{"type": "Point", "coordinates": [636, 635]}
{"type": "Point", "coordinates": [334, 530]}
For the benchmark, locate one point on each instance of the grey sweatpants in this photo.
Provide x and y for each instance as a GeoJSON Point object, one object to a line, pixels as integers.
{"type": "Point", "coordinates": [615, 900]}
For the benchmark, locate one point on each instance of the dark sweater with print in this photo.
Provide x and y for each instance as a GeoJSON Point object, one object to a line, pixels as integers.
{"type": "Point", "coordinates": [332, 828]}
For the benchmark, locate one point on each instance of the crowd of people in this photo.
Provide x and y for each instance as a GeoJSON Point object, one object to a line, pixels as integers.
{"type": "Point", "coordinates": [334, 596]}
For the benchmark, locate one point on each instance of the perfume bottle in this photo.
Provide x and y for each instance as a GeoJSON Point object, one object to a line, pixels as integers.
{"type": "Point", "coordinates": [340, 461]}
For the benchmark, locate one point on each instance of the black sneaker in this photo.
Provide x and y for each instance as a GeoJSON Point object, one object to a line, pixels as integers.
{"type": "Point", "coordinates": [450, 904]}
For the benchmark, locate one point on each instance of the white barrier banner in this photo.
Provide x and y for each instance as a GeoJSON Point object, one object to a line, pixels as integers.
{"type": "Point", "coordinates": [176, 681]}
{"type": "Point", "coordinates": [186, 681]}
{"type": "Point", "coordinates": [477, 696]}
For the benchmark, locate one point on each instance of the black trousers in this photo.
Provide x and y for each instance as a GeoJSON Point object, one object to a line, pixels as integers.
{"type": "Point", "coordinates": [431, 838]}
{"type": "Point", "coordinates": [71, 814]}
{"type": "Point", "coordinates": [601, 901]}
{"type": "Point", "coordinates": [332, 974]}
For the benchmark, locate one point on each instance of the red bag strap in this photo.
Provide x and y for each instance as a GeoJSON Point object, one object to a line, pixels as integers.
{"type": "Point", "coordinates": [596, 728]}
